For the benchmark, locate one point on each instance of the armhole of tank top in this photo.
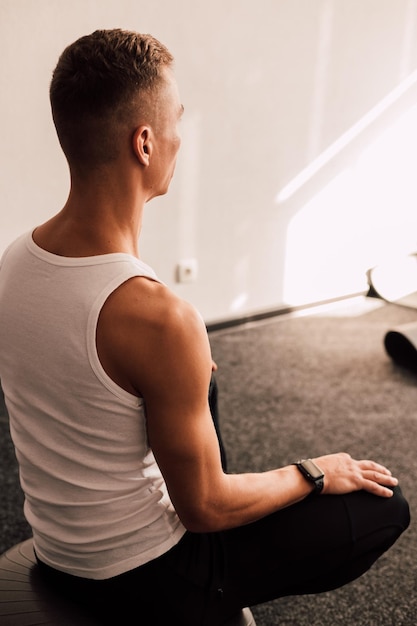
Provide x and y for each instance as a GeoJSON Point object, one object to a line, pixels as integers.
{"type": "Point", "coordinates": [93, 357]}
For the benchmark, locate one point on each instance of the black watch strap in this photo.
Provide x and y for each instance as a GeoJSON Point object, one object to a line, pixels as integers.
{"type": "Point", "coordinates": [312, 473]}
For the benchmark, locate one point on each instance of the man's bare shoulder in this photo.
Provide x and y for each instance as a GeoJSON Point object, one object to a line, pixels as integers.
{"type": "Point", "coordinates": [146, 332]}
{"type": "Point", "coordinates": [144, 301]}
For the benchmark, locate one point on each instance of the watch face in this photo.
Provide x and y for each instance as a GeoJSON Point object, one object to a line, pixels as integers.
{"type": "Point", "coordinates": [314, 471]}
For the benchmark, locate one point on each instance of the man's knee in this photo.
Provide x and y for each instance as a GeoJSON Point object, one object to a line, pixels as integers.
{"type": "Point", "coordinates": [377, 519]}
{"type": "Point", "coordinates": [400, 510]}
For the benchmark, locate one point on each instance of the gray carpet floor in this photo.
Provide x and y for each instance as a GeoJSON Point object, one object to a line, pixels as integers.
{"type": "Point", "coordinates": [300, 386]}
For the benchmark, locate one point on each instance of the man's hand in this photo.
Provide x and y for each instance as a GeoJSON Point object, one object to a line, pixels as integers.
{"type": "Point", "coordinates": [342, 474]}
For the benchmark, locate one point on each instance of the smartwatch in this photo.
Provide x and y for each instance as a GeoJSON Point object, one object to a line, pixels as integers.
{"type": "Point", "coordinates": [312, 473]}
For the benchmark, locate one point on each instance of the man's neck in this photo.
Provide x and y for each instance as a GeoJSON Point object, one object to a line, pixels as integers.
{"type": "Point", "coordinates": [102, 215]}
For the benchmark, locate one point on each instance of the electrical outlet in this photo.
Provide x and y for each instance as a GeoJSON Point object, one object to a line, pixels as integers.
{"type": "Point", "coordinates": [187, 271]}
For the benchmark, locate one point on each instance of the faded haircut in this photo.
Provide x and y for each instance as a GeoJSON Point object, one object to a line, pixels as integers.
{"type": "Point", "coordinates": [99, 81]}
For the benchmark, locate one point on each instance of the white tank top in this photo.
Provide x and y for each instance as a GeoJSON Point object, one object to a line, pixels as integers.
{"type": "Point", "coordinates": [94, 495]}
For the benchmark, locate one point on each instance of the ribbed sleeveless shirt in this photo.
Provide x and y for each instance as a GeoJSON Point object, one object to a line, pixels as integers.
{"type": "Point", "coordinates": [94, 495]}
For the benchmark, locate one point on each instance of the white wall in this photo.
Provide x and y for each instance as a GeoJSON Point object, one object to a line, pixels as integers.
{"type": "Point", "coordinates": [270, 88]}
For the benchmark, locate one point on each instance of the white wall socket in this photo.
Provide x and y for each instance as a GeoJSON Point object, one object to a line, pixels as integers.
{"type": "Point", "coordinates": [187, 271]}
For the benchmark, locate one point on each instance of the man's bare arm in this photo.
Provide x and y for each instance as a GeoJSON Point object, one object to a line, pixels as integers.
{"type": "Point", "coordinates": [155, 344]}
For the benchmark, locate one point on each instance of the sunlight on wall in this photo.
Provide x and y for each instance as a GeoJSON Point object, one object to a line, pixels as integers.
{"type": "Point", "coordinates": [362, 216]}
{"type": "Point", "coordinates": [346, 138]}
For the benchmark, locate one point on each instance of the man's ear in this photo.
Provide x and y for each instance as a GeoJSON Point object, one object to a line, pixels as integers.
{"type": "Point", "coordinates": [142, 144]}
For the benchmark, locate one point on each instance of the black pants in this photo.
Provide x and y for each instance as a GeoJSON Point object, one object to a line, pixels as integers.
{"type": "Point", "coordinates": [313, 546]}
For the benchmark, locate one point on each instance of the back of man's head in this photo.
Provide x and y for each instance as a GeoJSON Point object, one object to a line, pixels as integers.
{"type": "Point", "coordinates": [100, 81]}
